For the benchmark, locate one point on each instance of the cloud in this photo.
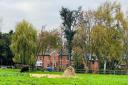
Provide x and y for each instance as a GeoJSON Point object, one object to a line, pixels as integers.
{"type": "Point", "coordinates": [41, 12]}
{"type": "Point", "coordinates": [24, 7]}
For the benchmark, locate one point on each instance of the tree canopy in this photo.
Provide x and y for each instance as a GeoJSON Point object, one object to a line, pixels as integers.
{"type": "Point", "coordinates": [24, 43]}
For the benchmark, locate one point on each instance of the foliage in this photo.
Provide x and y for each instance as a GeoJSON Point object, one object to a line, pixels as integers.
{"type": "Point", "coordinates": [47, 41]}
{"type": "Point", "coordinates": [69, 18]}
{"type": "Point", "coordinates": [6, 54]}
{"type": "Point", "coordinates": [24, 43]}
{"type": "Point", "coordinates": [80, 46]}
{"type": "Point", "coordinates": [101, 32]}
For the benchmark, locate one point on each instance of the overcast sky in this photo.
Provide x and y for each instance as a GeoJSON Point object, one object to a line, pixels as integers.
{"type": "Point", "coordinates": [42, 12]}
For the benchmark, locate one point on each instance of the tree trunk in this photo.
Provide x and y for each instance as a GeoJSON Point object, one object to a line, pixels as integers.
{"type": "Point", "coordinates": [43, 61]}
{"type": "Point", "coordinates": [24, 58]}
{"type": "Point", "coordinates": [105, 65]}
{"type": "Point", "coordinates": [85, 63]}
{"type": "Point", "coordinates": [69, 55]}
{"type": "Point", "coordinates": [85, 66]}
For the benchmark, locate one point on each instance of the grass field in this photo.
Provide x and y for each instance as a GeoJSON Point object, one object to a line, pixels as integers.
{"type": "Point", "coordinates": [14, 77]}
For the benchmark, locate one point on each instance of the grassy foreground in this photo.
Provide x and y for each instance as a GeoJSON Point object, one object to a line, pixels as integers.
{"type": "Point", "coordinates": [14, 77]}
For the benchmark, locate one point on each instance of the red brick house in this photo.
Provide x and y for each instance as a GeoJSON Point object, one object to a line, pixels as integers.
{"type": "Point", "coordinates": [52, 60]}
{"type": "Point", "coordinates": [55, 60]}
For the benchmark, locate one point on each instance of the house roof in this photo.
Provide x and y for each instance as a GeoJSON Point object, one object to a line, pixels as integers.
{"type": "Point", "coordinates": [50, 52]}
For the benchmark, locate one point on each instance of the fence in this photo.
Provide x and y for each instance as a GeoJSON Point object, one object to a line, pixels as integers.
{"type": "Point", "coordinates": [115, 72]}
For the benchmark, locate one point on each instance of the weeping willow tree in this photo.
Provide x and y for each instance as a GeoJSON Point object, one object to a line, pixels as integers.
{"type": "Point", "coordinates": [24, 43]}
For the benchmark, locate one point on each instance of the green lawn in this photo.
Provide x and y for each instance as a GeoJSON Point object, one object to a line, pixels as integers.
{"type": "Point", "coordinates": [14, 77]}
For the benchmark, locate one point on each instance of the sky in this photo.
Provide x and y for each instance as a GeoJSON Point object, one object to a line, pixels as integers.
{"type": "Point", "coordinates": [42, 12]}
